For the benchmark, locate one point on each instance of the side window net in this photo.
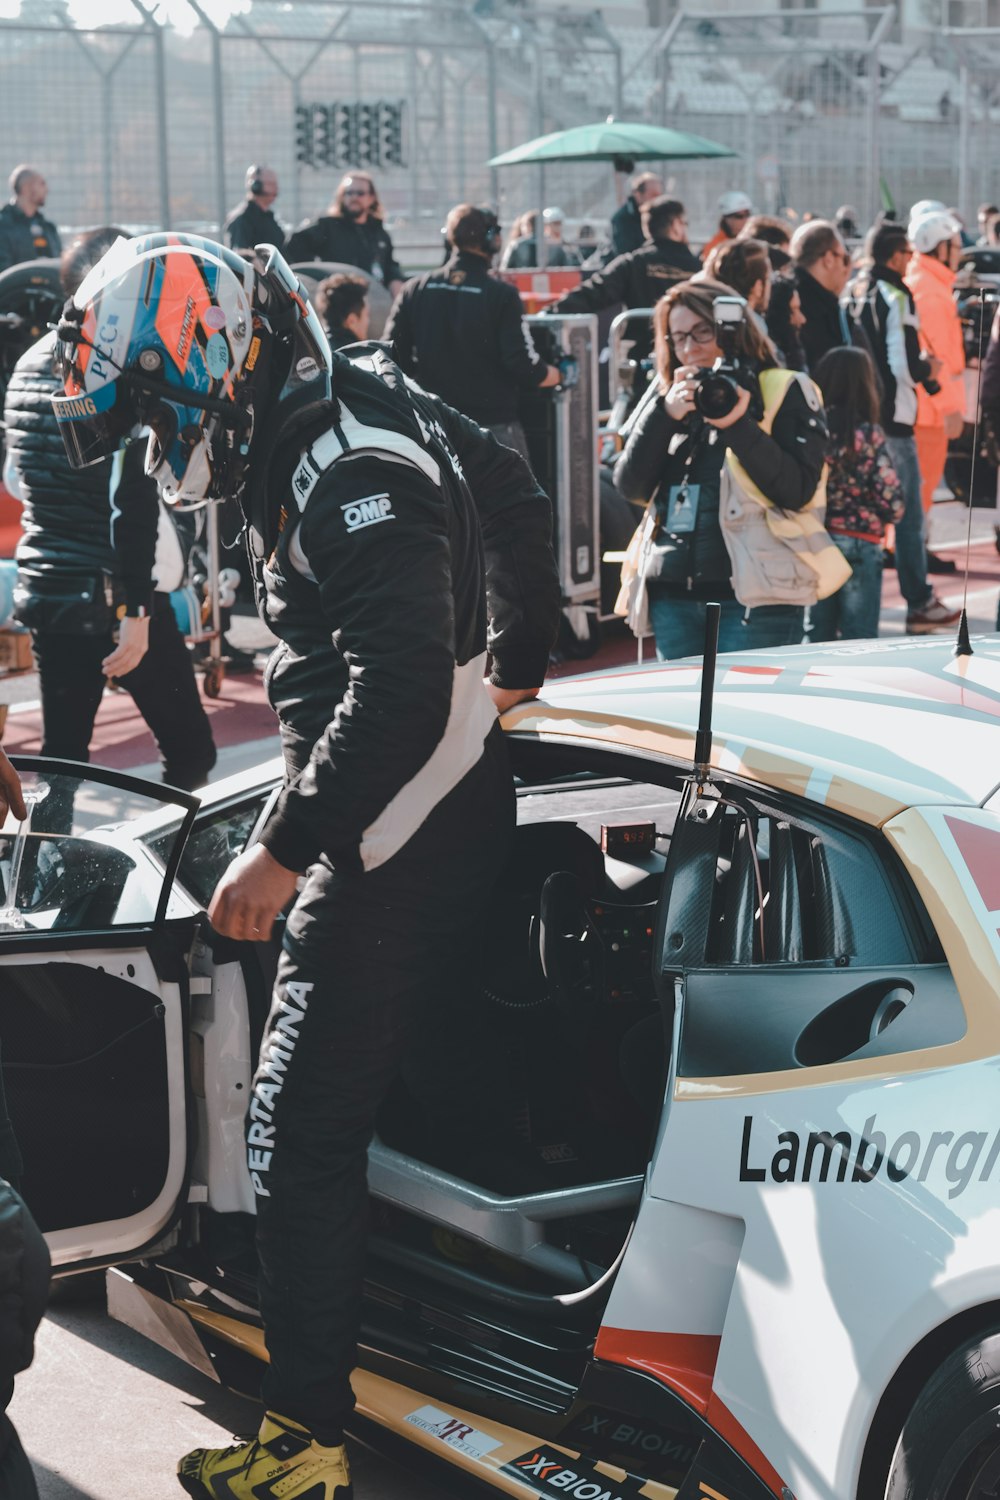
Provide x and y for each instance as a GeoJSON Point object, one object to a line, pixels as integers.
{"type": "Point", "coordinates": [789, 893]}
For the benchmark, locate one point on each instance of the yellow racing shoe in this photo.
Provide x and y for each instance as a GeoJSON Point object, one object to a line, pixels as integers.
{"type": "Point", "coordinates": [281, 1463]}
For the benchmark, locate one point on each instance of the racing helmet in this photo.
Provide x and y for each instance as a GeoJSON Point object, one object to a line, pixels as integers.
{"type": "Point", "coordinates": [175, 333]}
{"type": "Point", "coordinates": [927, 232]}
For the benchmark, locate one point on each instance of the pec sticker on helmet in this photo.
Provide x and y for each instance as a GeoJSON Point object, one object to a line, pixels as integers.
{"type": "Point", "coordinates": [214, 317]}
{"type": "Point", "coordinates": [367, 512]}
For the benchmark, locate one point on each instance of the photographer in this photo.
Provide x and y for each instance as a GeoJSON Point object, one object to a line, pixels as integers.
{"type": "Point", "coordinates": [677, 451]}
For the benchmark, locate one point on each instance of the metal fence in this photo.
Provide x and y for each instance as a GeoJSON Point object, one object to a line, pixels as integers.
{"type": "Point", "coordinates": [146, 124]}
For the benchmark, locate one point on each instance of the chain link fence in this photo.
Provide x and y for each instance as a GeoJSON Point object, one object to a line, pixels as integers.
{"type": "Point", "coordinates": [145, 125]}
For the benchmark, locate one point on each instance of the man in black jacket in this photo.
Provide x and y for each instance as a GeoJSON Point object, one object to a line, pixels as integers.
{"type": "Point", "coordinates": [626, 222]}
{"type": "Point", "coordinates": [461, 334]}
{"type": "Point", "coordinates": [640, 278]}
{"type": "Point", "coordinates": [822, 264]}
{"type": "Point", "coordinates": [351, 233]}
{"type": "Point", "coordinates": [25, 232]}
{"type": "Point", "coordinates": [370, 506]}
{"type": "Point", "coordinates": [252, 222]}
{"type": "Point", "coordinates": [85, 585]}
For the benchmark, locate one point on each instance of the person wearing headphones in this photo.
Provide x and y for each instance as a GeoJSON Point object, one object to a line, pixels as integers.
{"type": "Point", "coordinates": [25, 232]}
{"type": "Point", "coordinates": [252, 222]}
{"type": "Point", "coordinates": [461, 334]}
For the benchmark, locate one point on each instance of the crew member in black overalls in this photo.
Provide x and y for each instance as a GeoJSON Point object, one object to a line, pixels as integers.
{"type": "Point", "coordinates": [461, 333]}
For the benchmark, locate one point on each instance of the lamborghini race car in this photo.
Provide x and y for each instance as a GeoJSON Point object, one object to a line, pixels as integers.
{"type": "Point", "coordinates": [735, 1235]}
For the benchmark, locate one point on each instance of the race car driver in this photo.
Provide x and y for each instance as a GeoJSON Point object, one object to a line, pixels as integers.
{"type": "Point", "coordinates": [369, 507]}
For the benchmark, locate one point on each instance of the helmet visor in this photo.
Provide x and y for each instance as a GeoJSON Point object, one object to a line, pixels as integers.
{"type": "Point", "coordinates": [91, 427]}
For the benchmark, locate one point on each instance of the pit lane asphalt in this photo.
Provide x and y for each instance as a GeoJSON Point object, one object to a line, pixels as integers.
{"type": "Point", "coordinates": [103, 1413]}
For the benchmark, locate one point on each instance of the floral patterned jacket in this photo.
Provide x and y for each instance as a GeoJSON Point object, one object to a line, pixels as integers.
{"type": "Point", "coordinates": [863, 491]}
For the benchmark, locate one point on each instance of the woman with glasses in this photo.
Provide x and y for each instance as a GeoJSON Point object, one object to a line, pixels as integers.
{"type": "Point", "coordinates": [675, 456]}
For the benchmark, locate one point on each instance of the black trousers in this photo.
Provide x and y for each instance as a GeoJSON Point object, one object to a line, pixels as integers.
{"type": "Point", "coordinates": [371, 982]}
{"type": "Point", "coordinates": [163, 686]}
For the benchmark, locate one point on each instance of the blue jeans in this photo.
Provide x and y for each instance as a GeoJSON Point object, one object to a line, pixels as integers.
{"type": "Point", "coordinates": [911, 551]}
{"type": "Point", "coordinates": [852, 612]}
{"type": "Point", "coordinates": [679, 625]}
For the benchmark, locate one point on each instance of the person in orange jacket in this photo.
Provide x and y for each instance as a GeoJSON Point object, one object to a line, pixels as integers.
{"type": "Point", "coordinates": [735, 209]}
{"type": "Point", "coordinates": [936, 238]}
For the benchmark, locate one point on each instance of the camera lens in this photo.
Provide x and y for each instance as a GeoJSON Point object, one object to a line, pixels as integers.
{"type": "Point", "coordinates": [715, 394]}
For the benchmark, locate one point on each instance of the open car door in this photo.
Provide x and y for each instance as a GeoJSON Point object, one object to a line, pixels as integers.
{"type": "Point", "coordinates": [93, 999]}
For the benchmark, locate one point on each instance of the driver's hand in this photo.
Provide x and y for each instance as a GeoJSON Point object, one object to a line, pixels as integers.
{"type": "Point", "coordinates": [505, 698]}
{"type": "Point", "coordinates": [11, 799]}
{"type": "Point", "coordinates": [250, 895]}
{"type": "Point", "coordinates": [133, 643]}
{"type": "Point", "coordinates": [731, 418]}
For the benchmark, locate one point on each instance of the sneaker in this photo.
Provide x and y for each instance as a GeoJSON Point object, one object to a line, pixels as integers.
{"type": "Point", "coordinates": [933, 616]}
{"type": "Point", "coordinates": [283, 1459]}
{"type": "Point", "coordinates": [938, 564]}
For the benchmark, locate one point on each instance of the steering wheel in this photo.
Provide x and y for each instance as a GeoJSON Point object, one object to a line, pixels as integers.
{"type": "Point", "coordinates": [570, 947]}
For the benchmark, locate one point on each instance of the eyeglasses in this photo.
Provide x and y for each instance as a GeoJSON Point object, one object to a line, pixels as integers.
{"type": "Point", "coordinates": [700, 335]}
{"type": "Point", "coordinates": [356, 192]}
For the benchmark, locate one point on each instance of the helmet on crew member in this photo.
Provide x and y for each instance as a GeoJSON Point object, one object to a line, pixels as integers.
{"type": "Point", "coordinates": [927, 232]}
{"type": "Point", "coordinates": [178, 334]}
{"type": "Point", "coordinates": [924, 207]}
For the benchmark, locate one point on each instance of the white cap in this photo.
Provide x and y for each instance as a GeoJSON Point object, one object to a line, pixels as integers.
{"type": "Point", "coordinates": [734, 202]}
{"type": "Point", "coordinates": [927, 232]}
{"type": "Point", "coordinates": [553, 215]}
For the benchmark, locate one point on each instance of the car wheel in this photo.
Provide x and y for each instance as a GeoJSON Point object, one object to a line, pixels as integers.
{"type": "Point", "coordinates": [949, 1448]}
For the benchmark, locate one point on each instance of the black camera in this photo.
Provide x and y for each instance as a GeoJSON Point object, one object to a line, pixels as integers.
{"type": "Point", "coordinates": [717, 390]}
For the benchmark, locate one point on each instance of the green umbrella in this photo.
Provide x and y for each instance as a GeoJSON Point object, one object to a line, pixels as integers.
{"type": "Point", "coordinates": [612, 140]}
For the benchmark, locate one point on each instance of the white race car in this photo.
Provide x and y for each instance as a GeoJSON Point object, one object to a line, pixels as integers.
{"type": "Point", "coordinates": [738, 1232]}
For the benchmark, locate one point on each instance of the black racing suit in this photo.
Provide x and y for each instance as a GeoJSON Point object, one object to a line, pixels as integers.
{"type": "Point", "coordinates": [369, 536]}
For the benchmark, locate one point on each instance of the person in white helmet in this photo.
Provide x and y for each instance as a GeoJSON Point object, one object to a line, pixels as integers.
{"type": "Point", "coordinates": [936, 238]}
{"type": "Point", "coordinates": [734, 210]}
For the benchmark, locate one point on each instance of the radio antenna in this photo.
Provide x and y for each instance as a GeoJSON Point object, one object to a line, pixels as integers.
{"type": "Point", "coordinates": [703, 739]}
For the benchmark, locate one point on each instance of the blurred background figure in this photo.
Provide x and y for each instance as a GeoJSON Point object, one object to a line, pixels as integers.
{"type": "Point", "coordinates": [351, 233]}
{"type": "Point", "coordinates": [626, 222]}
{"type": "Point", "coordinates": [342, 303]}
{"type": "Point", "coordinates": [734, 210]}
{"type": "Point", "coordinates": [460, 332]}
{"type": "Point", "coordinates": [95, 572]}
{"type": "Point", "coordinates": [25, 232]}
{"type": "Point", "coordinates": [863, 495]}
{"type": "Point", "coordinates": [252, 222]}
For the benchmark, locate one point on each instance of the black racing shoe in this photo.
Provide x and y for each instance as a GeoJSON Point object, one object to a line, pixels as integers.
{"type": "Point", "coordinates": [283, 1459]}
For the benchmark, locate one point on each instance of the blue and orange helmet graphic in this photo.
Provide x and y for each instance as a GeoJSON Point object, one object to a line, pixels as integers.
{"type": "Point", "coordinates": [171, 332]}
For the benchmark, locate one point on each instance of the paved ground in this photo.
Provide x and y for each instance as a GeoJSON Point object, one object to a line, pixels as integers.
{"type": "Point", "coordinates": [103, 1413]}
